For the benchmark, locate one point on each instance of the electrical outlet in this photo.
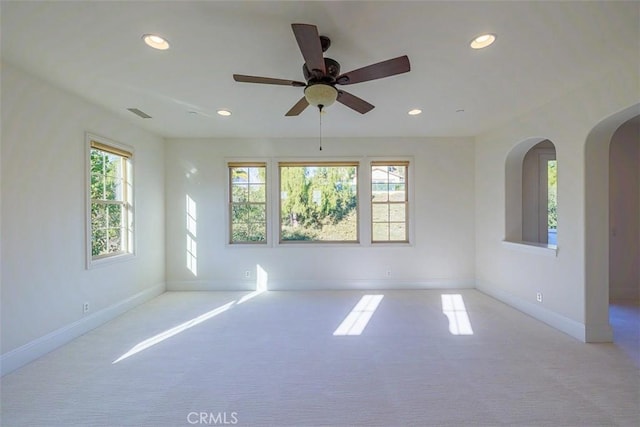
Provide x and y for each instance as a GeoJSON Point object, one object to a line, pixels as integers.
{"type": "Point", "coordinates": [539, 296]}
{"type": "Point", "coordinates": [388, 271]}
{"type": "Point", "coordinates": [85, 307]}
{"type": "Point", "coordinates": [247, 274]}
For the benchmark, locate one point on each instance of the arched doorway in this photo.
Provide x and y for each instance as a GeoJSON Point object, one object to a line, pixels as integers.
{"type": "Point", "coordinates": [597, 231]}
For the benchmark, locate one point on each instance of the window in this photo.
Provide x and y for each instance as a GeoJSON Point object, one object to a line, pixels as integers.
{"type": "Point", "coordinates": [248, 202]}
{"type": "Point", "coordinates": [319, 202]}
{"type": "Point", "coordinates": [389, 202]}
{"type": "Point", "coordinates": [111, 199]}
{"type": "Point", "coordinates": [551, 182]}
{"type": "Point", "coordinates": [539, 194]}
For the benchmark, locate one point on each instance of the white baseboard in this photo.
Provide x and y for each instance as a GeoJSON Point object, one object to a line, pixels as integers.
{"type": "Point", "coordinates": [318, 285]}
{"type": "Point", "coordinates": [31, 351]}
{"type": "Point", "coordinates": [569, 326]}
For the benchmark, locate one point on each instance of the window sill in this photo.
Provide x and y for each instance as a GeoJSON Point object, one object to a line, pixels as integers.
{"type": "Point", "coordinates": [532, 248]}
{"type": "Point", "coordinates": [108, 260]}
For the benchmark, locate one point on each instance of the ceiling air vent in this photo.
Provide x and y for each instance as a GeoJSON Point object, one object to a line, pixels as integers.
{"type": "Point", "coordinates": [139, 113]}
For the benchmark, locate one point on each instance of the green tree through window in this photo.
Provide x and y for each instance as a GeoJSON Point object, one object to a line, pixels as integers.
{"type": "Point", "coordinates": [318, 202]}
{"type": "Point", "coordinates": [248, 202]}
{"type": "Point", "coordinates": [110, 193]}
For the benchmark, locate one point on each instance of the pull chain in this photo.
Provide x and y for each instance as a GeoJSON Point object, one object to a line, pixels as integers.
{"type": "Point", "coordinates": [320, 110]}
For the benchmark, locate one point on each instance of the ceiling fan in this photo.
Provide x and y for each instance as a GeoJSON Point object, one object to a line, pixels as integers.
{"type": "Point", "coordinates": [323, 74]}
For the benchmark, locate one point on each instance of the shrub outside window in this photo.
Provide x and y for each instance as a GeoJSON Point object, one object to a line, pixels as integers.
{"type": "Point", "coordinates": [318, 202]}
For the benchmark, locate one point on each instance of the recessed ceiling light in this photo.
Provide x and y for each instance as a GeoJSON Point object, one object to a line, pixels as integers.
{"type": "Point", "coordinates": [155, 41]}
{"type": "Point", "coordinates": [415, 112]}
{"type": "Point", "coordinates": [224, 112]}
{"type": "Point", "coordinates": [483, 41]}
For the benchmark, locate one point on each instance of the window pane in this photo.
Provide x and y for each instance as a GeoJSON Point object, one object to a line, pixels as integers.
{"type": "Point", "coordinates": [397, 212]}
{"type": "Point", "coordinates": [380, 231]}
{"type": "Point", "coordinates": [380, 192]}
{"type": "Point", "coordinates": [115, 240]}
{"type": "Point", "coordinates": [397, 231]}
{"type": "Point", "coordinates": [113, 165]}
{"type": "Point", "coordinates": [380, 213]}
{"type": "Point", "coordinates": [257, 232]}
{"type": "Point", "coordinates": [257, 175]}
{"type": "Point", "coordinates": [239, 175]}
{"type": "Point", "coordinates": [97, 186]}
{"type": "Point", "coordinates": [98, 216]}
{"type": "Point", "coordinates": [399, 171]}
{"type": "Point", "coordinates": [239, 193]}
{"type": "Point", "coordinates": [112, 188]}
{"type": "Point", "coordinates": [239, 232]}
{"type": "Point", "coordinates": [257, 193]}
{"type": "Point", "coordinates": [256, 213]}
{"type": "Point", "coordinates": [98, 241]}
{"type": "Point", "coordinates": [114, 213]}
{"type": "Point", "coordinates": [396, 192]}
{"type": "Point", "coordinates": [239, 213]}
{"type": "Point", "coordinates": [318, 202]}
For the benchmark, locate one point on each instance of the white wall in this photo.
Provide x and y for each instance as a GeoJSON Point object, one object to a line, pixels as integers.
{"type": "Point", "coordinates": [624, 212]}
{"type": "Point", "coordinates": [442, 251]}
{"type": "Point", "coordinates": [516, 273]}
{"type": "Point", "coordinates": [44, 279]}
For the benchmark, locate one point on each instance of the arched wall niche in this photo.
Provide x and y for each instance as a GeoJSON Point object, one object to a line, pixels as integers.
{"type": "Point", "coordinates": [523, 190]}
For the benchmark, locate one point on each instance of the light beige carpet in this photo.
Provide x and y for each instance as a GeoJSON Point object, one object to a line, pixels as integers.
{"type": "Point", "coordinates": [273, 360]}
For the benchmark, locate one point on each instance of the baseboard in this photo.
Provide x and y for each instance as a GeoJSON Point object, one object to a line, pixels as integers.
{"type": "Point", "coordinates": [562, 323]}
{"type": "Point", "coordinates": [598, 333]}
{"type": "Point", "coordinates": [319, 285]}
{"type": "Point", "coordinates": [31, 351]}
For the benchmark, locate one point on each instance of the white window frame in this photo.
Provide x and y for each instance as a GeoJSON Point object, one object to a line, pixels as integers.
{"type": "Point", "coordinates": [127, 153]}
{"type": "Point", "coordinates": [407, 204]}
{"type": "Point", "coordinates": [229, 163]}
{"type": "Point", "coordinates": [311, 161]}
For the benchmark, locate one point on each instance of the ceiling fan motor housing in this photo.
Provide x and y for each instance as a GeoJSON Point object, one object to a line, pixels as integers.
{"type": "Point", "coordinates": [333, 71]}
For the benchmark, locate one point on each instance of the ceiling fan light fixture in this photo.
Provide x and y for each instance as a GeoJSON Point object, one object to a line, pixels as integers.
{"type": "Point", "coordinates": [223, 112]}
{"type": "Point", "coordinates": [320, 94]}
{"type": "Point", "coordinates": [482, 41]}
{"type": "Point", "coordinates": [415, 112]}
{"type": "Point", "coordinates": [155, 41]}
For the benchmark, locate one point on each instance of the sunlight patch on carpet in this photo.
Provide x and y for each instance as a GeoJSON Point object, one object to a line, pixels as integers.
{"type": "Point", "coordinates": [453, 307]}
{"type": "Point", "coordinates": [359, 317]}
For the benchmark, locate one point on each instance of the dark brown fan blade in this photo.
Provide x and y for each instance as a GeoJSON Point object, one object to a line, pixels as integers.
{"type": "Point", "coordinates": [309, 42]}
{"type": "Point", "coordinates": [382, 69]}
{"type": "Point", "coordinates": [298, 108]}
{"type": "Point", "coordinates": [266, 80]}
{"type": "Point", "coordinates": [353, 102]}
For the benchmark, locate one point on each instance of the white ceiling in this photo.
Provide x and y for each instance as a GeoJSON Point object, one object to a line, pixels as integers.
{"type": "Point", "coordinates": [543, 50]}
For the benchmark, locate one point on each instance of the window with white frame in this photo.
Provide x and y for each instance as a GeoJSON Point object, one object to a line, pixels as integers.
{"type": "Point", "coordinates": [318, 202]}
{"type": "Point", "coordinates": [247, 202]}
{"type": "Point", "coordinates": [389, 201]}
{"type": "Point", "coordinates": [111, 199]}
